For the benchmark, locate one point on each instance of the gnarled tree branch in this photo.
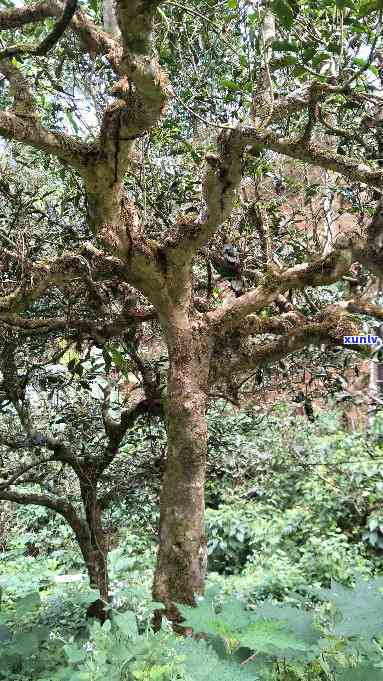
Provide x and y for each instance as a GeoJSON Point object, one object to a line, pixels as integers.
{"type": "Point", "coordinates": [254, 140]}
{"type": "Point", "coordinates": [324, 271]}
{"type": "Point", "coordinates": [328, 327]}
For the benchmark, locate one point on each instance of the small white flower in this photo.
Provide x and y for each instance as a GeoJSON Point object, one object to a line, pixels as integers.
{"type": "Point", "coordinates": [118, 602]}
{"type": "Point", "coordinates": [89, 646]}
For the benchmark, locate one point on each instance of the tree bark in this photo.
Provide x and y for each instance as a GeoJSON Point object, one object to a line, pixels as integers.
{"type": "Point", "coordinates": [94, 547]}
{"type": "Point", "coordinates": [109, 17]}
{"type": "Point", "coordinates": [182, 554]}
{"type": "Point", "coordinates": [95, 557]}
{"type": "Point", "coordinates": [94, 550]}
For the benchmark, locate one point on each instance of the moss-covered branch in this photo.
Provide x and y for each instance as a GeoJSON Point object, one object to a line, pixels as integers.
{"type": "Point", "coordinates": [326, 270]}
{"type": "Point", "coordinates": [328, 327]}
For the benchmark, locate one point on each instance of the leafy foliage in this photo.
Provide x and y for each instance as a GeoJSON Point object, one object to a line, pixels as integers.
{"type": "Point", "coordinates": [291, 536]}
{"type": "Point", "coordinates": [273, 641]}
{"type": "Point", "coordinates": [365, 599]}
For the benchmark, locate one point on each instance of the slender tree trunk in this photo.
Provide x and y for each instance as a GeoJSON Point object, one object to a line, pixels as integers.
{"type": "Point", "coordinates": [89, 533]}
{"type": "Point", "coordinates": [95, 546]}
{"type": "Point", "coordinates": [109, 17]}
{"type": "Point", "coordinates": [375, 389]}
{"type": "Point", "coordinates": [97, 566]}
{"type": "Point", "coordinates": [94, 550]}
{"type": "Point", "coordinates": [182, 554]}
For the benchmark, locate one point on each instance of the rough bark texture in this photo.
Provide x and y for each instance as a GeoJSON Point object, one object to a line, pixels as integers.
{"type": "Point", "coordinates": [181, 565]}
{"type": "Point", "coordinates": [97, 546]}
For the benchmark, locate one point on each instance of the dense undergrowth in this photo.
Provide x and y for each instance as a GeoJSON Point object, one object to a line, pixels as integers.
{"type": "Point", "coordinates": [295, 536]}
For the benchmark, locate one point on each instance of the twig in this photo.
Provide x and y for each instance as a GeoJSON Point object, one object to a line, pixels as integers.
{"type": "Point", "coordinates": [203, 120]}
{"type": "Point", "coordinates": [52, 38]}
{"type": "Point", "coordinates": [211, 23]}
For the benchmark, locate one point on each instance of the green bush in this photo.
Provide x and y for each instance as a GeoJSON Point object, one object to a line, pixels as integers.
{"type": "Point", "coordinates": [338, 640]}
{"type": "Point", "coordinates": [229, 540]}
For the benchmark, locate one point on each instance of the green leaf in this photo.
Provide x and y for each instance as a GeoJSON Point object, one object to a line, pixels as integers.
{"type": "Point", "coordinates": [369, 6]}
{"type": "Point", "coordinates": [204, 618]}
{"type": "Point", "coordinates": [288, 60]}
{"type": "Point", "coordinates": [308, 53]}
{"type": "Point", "coordinates": [5, 633]}
{"type": "Point", "coordinates": [107, 357]}
{"type": "Point", "coordinates": [363, 62]}
{"type": "Point", "coordinates": [229, 84]}
{"type": "Point", "coordinates": [341, 4]}
{"type": "Point", "coordinates": [360, 608]}
{"type": "Point", "coordinates": [28, 602]}
{"type": "Point", "coordinates": [297, 636]}
{"type": "Point", "coordinates": [74, 654]}
{"type": "Point", "coordinates": [127, 623]}
{"type": "Point", "coordinates": [285, 46]}
{"type": "Point", "coordinates": [320, 57]}
{"type": "Point", "coordinates": [72, 120]}
{"type": "Point", "coordinates": [26, 644]}
{"type": "Point", "coordinates": [363, 673]}
{"type": "Point", "coordinates": [285, 10]}
{"type": "Point", "coordinates": [106, 627]}
{"type": "Point", "coordinates": [202, 663]}
{"type": "Point", "coordinates": [272, 637]}
{"type": "Point", "coordinates": [334, 47]}
{"type": "Point", "coordinates": [118, 358]}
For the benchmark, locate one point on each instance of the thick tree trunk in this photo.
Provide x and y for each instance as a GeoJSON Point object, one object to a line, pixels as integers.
{"type": "Point", "coordinates": [182, 554]}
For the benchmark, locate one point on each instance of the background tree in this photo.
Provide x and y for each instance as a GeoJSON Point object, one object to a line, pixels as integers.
{"type": "Point", "coordinates": [231, 87]}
